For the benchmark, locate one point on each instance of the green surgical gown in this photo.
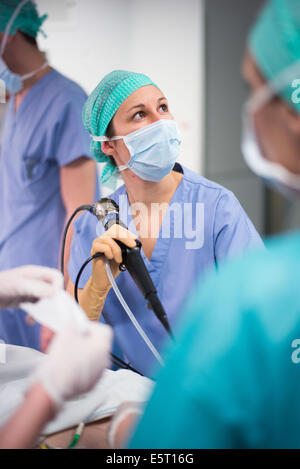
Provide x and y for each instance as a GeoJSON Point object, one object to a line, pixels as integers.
{"type": "Point", "coordinates": [232, 379]}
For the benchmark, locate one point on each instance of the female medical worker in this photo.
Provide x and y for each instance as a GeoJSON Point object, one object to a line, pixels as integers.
{"type": "Point", "coordinates": [134, 132]}
{"type": "Point", "coordinates": [234, 375]}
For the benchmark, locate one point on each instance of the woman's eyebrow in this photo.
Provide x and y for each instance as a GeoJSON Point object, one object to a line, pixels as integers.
{"type": "Point", "coordinates": [134, 107]}
{"type": "Point", "coordinates": [143, 105]}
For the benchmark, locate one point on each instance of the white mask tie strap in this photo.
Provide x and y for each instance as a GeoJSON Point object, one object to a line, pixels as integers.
{"type": "Point", "coordinates": [103, 138]}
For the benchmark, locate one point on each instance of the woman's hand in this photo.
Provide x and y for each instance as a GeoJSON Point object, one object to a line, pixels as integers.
{"type": "Point", "coordinates": [107, 245]}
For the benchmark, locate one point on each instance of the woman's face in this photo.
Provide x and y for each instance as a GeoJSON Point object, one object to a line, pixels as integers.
{"type": "Point", "coordinates": [277, 125]}
{"type": "Point", "coordinates": [143, 107]}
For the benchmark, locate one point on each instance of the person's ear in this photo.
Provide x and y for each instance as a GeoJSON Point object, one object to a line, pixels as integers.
{"type": "Point", "coordinates": [293, 120]}
{"type": "Point", "coordinates": [108, 148]}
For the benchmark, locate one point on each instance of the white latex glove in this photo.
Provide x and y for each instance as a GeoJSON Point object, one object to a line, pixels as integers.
{"type": "Point", "coordinates": [28, 283]}
{"type": "Point", "coordinates": [118, 436]}
{"type": "Point", "coordinates": [75, 362]}
{"type": "Point", "coordinates": [56, 312]}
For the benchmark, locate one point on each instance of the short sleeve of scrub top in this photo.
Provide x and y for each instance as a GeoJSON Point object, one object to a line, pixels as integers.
{"type": "Point", "coordinates": [233, 230]}
{"type": "Point", "coordinates": [71, 142]}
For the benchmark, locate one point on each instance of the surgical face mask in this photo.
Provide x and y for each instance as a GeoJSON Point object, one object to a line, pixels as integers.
{"type": "Point", "coordinates": [14, 82]}
{"type": "Point", "coordinates": [274, 174]}
{"type": "Point", "coordinates": [153, 149]}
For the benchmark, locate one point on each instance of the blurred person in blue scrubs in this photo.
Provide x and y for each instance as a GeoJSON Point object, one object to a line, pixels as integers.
{"type": "Point", "coordinates": [135, 135]}
{"type": "Point", "coordinates": [45, 167]}
{"type": "Point", "coordinates": [232, 378]}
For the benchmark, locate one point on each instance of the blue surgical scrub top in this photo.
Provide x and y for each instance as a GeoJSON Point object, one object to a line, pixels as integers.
{"type": "Point", "coordinates": [232, 379]}
{"type": "Point", "coordinates": [220, 229]}
{"type": "Point", "coordinates": [44, 134]}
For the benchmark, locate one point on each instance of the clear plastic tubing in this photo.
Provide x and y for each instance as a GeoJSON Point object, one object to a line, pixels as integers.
{"type": "Point", "coordinates": [130, 314]}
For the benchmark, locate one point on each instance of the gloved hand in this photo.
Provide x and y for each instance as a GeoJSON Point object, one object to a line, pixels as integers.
{"type": "Point", "coordinates": [96, 289]}
{"type": "Point", "coordinates": [75, 362]}
{"type": "Point", "coordinates": [123, 423]}
{"type": "Point", "coordinates": [112, 251]}
{"type": "Point", "coordinates": [28, 283]}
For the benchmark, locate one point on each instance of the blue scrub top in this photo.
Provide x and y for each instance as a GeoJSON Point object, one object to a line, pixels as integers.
{"type": "Point", "coordinates": [232, 379]}
{"type": "Point", "coordinates": [44, 134]}
{"type": "Point", "coordinates": [173, 266]}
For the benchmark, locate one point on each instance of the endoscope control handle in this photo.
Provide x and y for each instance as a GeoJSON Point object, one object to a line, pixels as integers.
{"type": "Point", "coordinates": [133, 262]}
{"type": "Point", "coordinates": [125, 250]}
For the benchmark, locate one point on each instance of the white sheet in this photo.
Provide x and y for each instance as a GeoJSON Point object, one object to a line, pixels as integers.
{"type": "Point", "coordinates": [111, 390]}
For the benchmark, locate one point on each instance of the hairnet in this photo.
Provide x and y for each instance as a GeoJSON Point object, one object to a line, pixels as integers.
{"type": "Point", "coordinates": [28, 20]}
{"type": "Point", "coordinates": [102, 105]}
{"type": "Point", "coordinates": [274, 41]}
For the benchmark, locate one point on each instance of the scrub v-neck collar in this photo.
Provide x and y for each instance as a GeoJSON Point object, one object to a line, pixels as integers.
{"type": "Point", "coordinates": [17, 112]}
{"type": "Point", "coordinates": [162, 244]}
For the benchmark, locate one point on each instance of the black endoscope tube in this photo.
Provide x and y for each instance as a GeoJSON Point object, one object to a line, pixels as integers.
{"type": "Point", "coordinates": [89, 208]}
{"type": "Point", "coordinates": [159, 311]}
{"type": "Point", "coordinates": [135, 265]}
{"type": "Point", "coordinates": [95, 256]}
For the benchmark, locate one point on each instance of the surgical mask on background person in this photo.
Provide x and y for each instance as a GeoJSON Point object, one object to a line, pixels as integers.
{"type": "Point", "coordinates": [153, 149]}
{"type": "Point", "coordinates": [13, 81]}
{"type": "Point", "coordinates": [274, 174]}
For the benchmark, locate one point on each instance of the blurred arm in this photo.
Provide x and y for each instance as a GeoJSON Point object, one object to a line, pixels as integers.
{"type": "Point", "coordinates": [77, 185]}
{"type": "Point", "coordinates": [24, 427]}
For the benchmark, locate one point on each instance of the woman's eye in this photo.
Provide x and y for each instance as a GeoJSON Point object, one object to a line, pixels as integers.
{"type": "Point", "coordinates": [163, 107]}
{"type": "Point", "coordinates": [139, 115]}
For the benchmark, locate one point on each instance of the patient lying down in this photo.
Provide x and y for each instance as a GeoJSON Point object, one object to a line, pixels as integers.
{"type": "Point", "coordinates": [122, 389]}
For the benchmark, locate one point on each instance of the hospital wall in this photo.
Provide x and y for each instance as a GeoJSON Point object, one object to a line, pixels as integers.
{"type": "Point", "coordinates": [227, 23]}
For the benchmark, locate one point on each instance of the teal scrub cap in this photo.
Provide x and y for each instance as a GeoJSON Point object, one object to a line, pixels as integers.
{"type": "Point", "coordinates": [274, 41]}
{"type": "Point", "coordinates": [27, 20]}
{"type": "Point", "coordinates": [101, 107]}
